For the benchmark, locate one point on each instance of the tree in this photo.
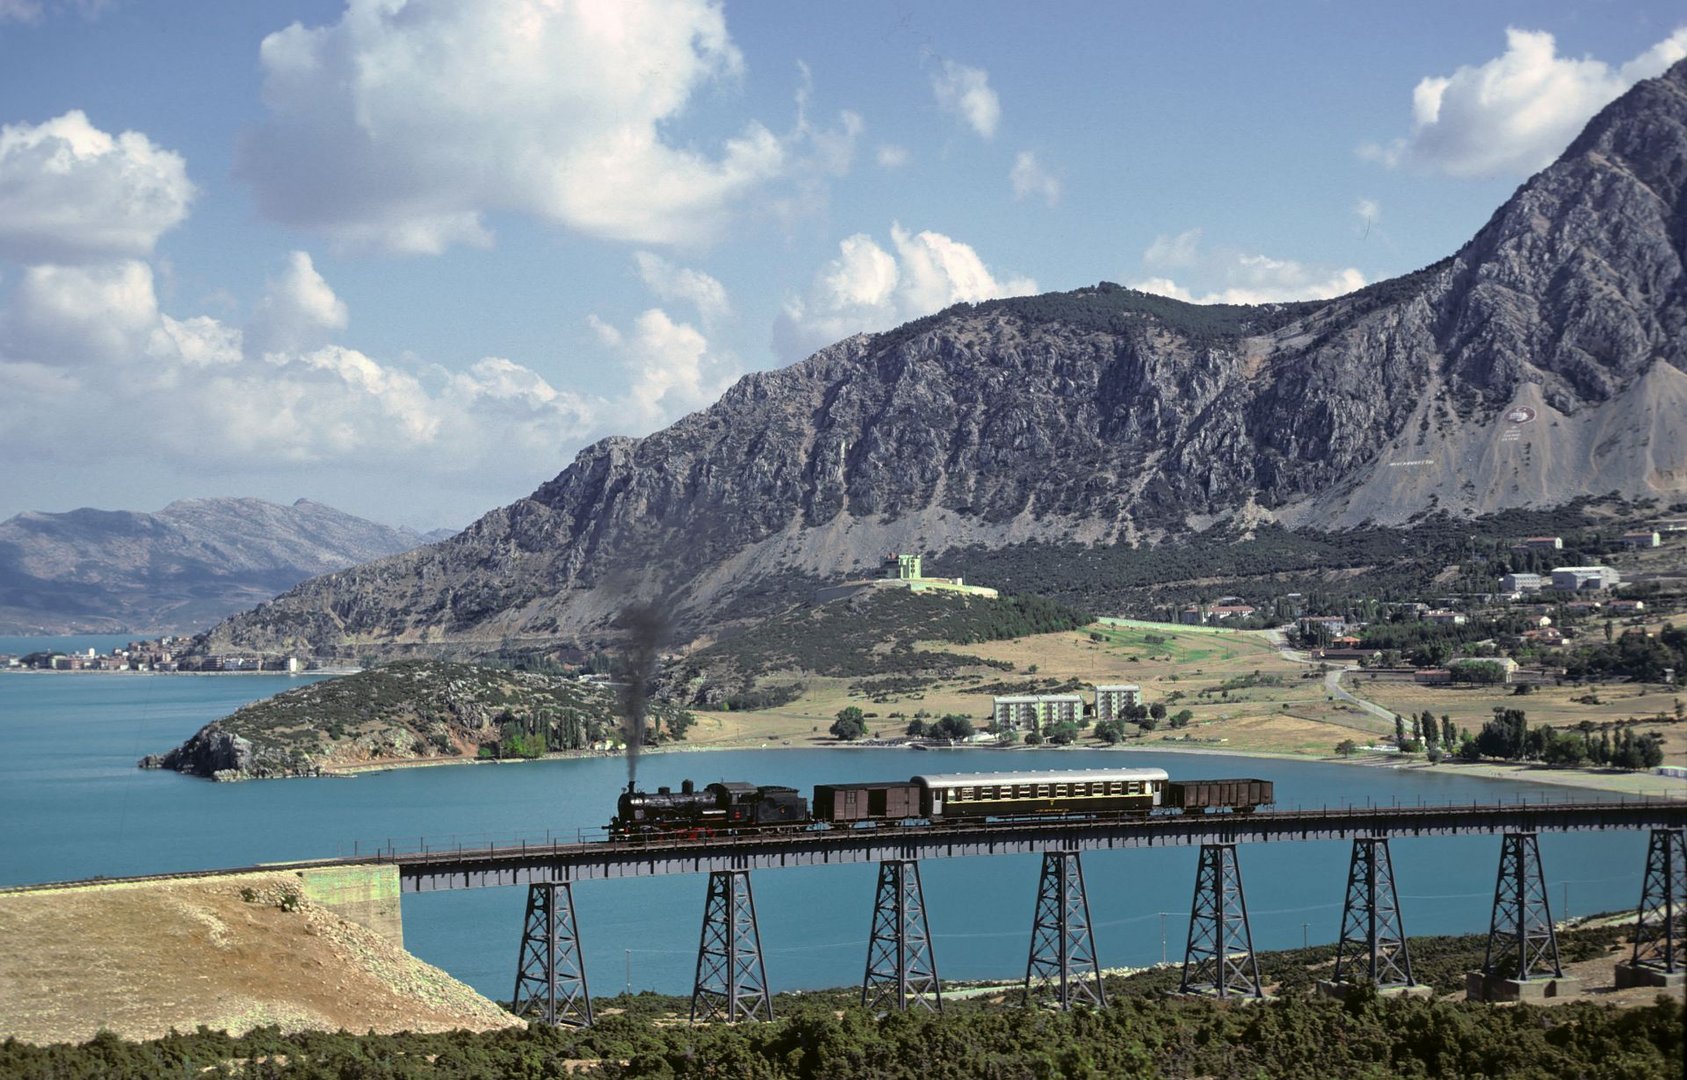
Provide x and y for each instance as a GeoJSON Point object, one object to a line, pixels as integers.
{"type": "Point", "coordinates": [1110, 731]}
{"type": "Point", "coordinates": [1448, 735]}
{"type": "Point", "coordinates": [953, 726]}
{"type": "Point", "coordinates": [1157, 711]}
{"type": "Point", "coordinates": [1347, 748]}
{"type": "Point", "coordinates": [1506, 736]}
{"type": "Point", "coordinates": [850, 724]}
{"type": "Point", "coordinates": [1399, 729]}
{"type": "Point", "coordinates": [917, 728]}
{"type": "Point", "coordinates": [1181, 718]}
{"type": "Point", "coordinates": [1064, 733]}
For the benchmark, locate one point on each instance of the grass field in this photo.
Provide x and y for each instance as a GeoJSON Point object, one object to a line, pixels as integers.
{"type": "Point", "coordinates": [1241, 691]}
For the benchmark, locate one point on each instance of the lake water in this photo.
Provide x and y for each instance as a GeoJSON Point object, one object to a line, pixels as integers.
{"type": "Point", "coordinates": [73, 805]}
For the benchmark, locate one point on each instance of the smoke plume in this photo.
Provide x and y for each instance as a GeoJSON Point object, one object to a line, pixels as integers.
{"type": "Point", "coordinates": [646, 628]}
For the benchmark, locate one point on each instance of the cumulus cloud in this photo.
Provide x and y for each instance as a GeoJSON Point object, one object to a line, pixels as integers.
{"type": "Point", "coordinates": [1029, 179]}
{"type": "Point", "coordinates": [402, 125]}
{"type": "Point", "coordinates": [965, 92]}
{"type": "Point", "coordinates": [90, 363]}
{"type": "Point", "coordinates": [670, 367]}
{"type": "Point", "coordinates": [1514, 114]}
{"type": "Point", "coordinates": [20, 11]}
{"type": "Point", "coordinates": [671, 282]}
{"type": "Point", "coordinates": [70, 192]}
{"type": "Point", "coordinates": [867, 288]}
{"type": "Point", "coordinates": [298, 310]}
{"type": "Point", "coordinates": [78, 316]}
{"type": "Point", "coordinates": [1228, 276]}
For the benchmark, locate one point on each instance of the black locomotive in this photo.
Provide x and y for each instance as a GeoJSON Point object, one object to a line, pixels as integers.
{"type": "Point", "coordinates": [736, 807]}
{"type": "Point", "coordinates": [728, 806]}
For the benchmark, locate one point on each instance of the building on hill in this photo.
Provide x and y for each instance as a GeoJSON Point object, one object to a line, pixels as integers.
{"type": "Point", "coordinates": [1499, 669]}
{"type": "Point", "coordinates": [1036, 712]}
{"type": "Point", "coordinates": [1539, 543]}
{"type": "Point", "coordinates": [1580, 578]}
{"type": "Point", "coordinates": [903, 572]}
{"type": "Point", "coordinates": [1110, 700]}
{"type": "Point", "coordinates": [1229, 611]}
{"type": "Point", "coordinates": [1644, 538]}
{"type": "Point", "coordinates": [1520, 583]}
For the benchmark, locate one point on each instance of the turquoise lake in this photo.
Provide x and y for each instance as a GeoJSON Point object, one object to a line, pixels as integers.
{"type": "Point", "coordinates": [74, 805]}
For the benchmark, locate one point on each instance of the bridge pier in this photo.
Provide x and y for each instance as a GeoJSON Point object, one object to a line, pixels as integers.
{"type": "Point", "coordinates": [1521, 960]}
{"type": "Point", "coordinates": [901, 966]}
{"type": "Point", "coordinates": [1373, 945]}
{"type": "Point", "coordinates": [1062, 968]}
{"type": "Point", "coordinates": [1219, 959]}
{"type": "Point", "coordinates": [731, 980]}
{"type": "Point", "coordinates": [1660, 926]}
{"type": "Point", "coordinates": [550, 975]}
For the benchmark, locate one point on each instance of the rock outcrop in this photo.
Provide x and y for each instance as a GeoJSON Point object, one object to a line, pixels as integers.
{"type": "Point", "coordinates": [1544, 361]}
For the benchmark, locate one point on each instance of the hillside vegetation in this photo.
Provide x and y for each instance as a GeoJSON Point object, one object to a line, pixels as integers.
{"type": "Point", "coordinates": [406, 711]}
{"type": "Point", "coordinates": [877, 633]}
{"type": "Point", "coordinates": [1140, 1032]}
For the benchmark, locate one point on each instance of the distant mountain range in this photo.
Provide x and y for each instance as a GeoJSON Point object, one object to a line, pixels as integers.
{"type": "Point", "coordinates": [178, 570]}
{"type": "Point", "coordinates": [1544, 362]}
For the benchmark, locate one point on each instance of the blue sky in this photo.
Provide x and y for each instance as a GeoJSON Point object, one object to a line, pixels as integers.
{"type": "Point", "coordinates": [406, 257]}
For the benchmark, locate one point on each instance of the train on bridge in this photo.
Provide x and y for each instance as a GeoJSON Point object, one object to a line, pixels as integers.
{"type": "Point", "coordinates": [729, 808]}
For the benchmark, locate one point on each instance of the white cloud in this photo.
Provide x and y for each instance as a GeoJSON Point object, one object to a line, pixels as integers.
{"type": "Point", "coordinates": [70, 192]}
{"type": "Point", "coordinates": [1180, 250]}
{"type": "Point", "coordinates": [30, 11]}
{"type": "Point", "coordinates": [402, 125]}
{"type": "Point", "coordinates": [1236, 277]}
{"type": "Point", "coordinates": [1514, 114]}
{"type": "Point", "coordinates": [891, 156]}
{"type": "Point", "coordinates": [671, 282]}
{"type": "Point", "coordinates": [867, 288]}
{"type": "Point", "coordinates": [78, 316]}
{"type": "Point", "coordinates": [670, 368]}
{"type": "Point", "coordinates": [1029, 178]}
{"type": "Point", "coordinates": [298, 310]}
{"type": "Point", "coordinates": [90, 363]}
{"type": "Point", "coordinates": [965, 92]}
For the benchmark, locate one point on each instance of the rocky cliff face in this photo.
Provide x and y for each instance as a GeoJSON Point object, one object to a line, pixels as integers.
{"type": "Point", "coordinates": [180, 569]}
{"type": "Point", "coordinates": [1546, 360]}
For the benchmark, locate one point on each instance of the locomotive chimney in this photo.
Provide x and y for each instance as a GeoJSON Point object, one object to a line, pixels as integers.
{"type": "Point", "coordinates": [687, 787]}
{"type": "Point", "coordinates": [664, 790]}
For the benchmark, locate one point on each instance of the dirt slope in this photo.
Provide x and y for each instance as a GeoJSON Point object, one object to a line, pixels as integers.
{"type": "Point", "coordinates": [142, 958]}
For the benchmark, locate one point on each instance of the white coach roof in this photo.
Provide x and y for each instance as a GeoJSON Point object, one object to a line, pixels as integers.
{"type": "Point", "coordinates": [1071, 776]}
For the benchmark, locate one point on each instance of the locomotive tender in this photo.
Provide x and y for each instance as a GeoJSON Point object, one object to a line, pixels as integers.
{"type": "Point", "coordinates": [737, 807]}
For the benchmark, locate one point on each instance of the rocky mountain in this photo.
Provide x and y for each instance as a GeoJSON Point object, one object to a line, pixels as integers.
{"type": "Point", "coordinates": [180, 569]}
{"type": "Point", "coordinates": [1544, 361]}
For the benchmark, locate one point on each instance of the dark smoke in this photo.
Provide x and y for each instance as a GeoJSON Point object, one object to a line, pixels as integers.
{"type": "Point", "coordinates": [646, 628]}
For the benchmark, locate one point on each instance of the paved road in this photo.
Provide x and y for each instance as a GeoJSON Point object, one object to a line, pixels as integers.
{"type": "Point", "coordinates": [1332, 680]}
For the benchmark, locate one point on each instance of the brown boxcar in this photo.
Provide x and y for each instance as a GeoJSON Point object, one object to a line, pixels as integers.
{"type": "Point", "coordinates": [1194, 796]}
{"type": "Point", "coordinates": [879, 801]}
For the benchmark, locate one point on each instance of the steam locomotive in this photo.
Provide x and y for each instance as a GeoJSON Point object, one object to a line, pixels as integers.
{"type": "Point", "coordinates": [735, 807]}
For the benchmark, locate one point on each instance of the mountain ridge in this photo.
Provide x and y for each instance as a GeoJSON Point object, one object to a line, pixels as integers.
{"type": "Point", "coordinates": [1108, 416]}
{"type": "Point", "coordinates": [177, 569]}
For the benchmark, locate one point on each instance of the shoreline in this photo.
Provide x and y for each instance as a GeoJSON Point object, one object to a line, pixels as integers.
{"type": "Point", "coordinates": [1645, 784]}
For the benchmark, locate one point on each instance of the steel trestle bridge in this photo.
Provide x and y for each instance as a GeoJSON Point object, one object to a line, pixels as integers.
{"type": "Point", "coordinates": [1062, 970]}
{"type": "Point", "coordinates": [529, 863]}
